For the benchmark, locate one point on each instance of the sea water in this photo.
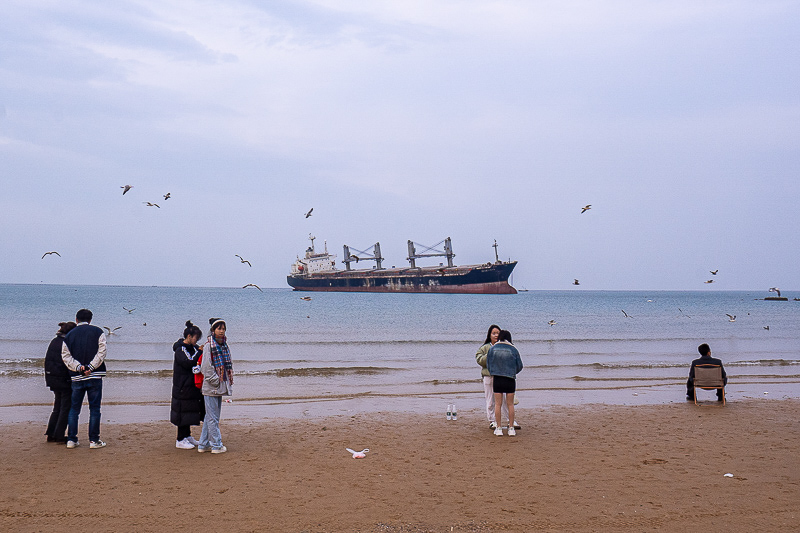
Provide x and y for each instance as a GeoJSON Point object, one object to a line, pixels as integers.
{"type": "Point", "coordinates": [340, 352]}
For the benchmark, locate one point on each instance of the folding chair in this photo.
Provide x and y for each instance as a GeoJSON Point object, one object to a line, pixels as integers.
{"type": "Point", "coordinates": [708, 377]}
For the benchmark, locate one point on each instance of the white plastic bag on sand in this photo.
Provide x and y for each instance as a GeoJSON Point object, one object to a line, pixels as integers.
{"type": "Point", "coordinates": [358, 455]}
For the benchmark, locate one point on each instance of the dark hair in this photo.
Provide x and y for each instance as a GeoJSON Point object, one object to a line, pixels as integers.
{"type": "Point", "coordinates": [84, 315]}
{"type": "Point", "coordinates": [65, 327]}
{"type": "Point", "coordinates": [211, 322]}
{"type": "Point", "coordinates": [191, 329]}
{"type": "Point", "coordinates": [704, 349]}
{"type": "Point", "coordinates": [505, 335]}
{"type": "Point", "coordinates": [489, 333]}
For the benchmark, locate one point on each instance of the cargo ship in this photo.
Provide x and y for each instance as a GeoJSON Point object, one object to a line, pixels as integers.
{"type": "Point", "coordinates": [317, 271]}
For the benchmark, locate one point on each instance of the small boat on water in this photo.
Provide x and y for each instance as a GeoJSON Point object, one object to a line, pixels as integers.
{"type": "Point", "coordinates": [317, 271]}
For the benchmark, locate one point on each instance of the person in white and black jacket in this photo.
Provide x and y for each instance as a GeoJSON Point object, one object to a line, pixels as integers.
{"type": "Point", "coordinates": [84, 353]}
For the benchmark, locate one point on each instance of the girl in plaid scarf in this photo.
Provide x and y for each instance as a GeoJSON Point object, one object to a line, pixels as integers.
{"type": "Point", "coordinates": [217, 370]}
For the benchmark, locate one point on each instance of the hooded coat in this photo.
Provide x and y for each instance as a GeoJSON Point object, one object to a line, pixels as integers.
{"type": "Point", "coordinates": [187, 407]}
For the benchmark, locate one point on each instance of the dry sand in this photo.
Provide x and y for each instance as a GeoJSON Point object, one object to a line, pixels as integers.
{"type": "Point", "coordinates": [589, 468]}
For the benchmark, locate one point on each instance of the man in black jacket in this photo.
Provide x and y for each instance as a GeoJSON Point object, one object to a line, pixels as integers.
{"type": "Point", "coordinates": [705, 359]}
{"type": "Point", "coordinates": [84, 353]}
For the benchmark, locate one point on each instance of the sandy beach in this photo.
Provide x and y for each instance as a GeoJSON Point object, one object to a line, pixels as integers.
{"type": "Point", "coordinates": [586, 468]}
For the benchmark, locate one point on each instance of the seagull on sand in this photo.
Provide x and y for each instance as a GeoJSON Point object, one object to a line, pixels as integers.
{"type": "Point", "coordinates": [243, 260]}
{"type": "Point", "coordinates": [252, 285]}
{"type": "Point", "coordinates": [709, 281]}
{"type": "Point", "coordinates": [150, 204]}
{"type": "Point", "coordinates": [731, 318]}
{"type": "Point", "coordinates": [714, 272]}
{"type": "Point", "coordinates": [576, 282]}
{"type": "Point", "coordinates": [129, 310]}
{"type": "Point", "coordinates": [125, 188]}
{"type": "Point", "coordinates": [309, 212]}
{"type": "Point", "coordinates": [48, 253]}
{"type": "Point", "coordinates": [552, 323]}
{"type": "Point", "coordinates": [626, 314]}
{"type": "Point", "coordinates": [586, 208]}
{"type": "Point", "coordinates": [167, 196]}
{"type": "Point", "coordinates": [110, 331]}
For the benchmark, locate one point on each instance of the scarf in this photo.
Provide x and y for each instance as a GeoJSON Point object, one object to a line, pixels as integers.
{"type": "Point", "coordinates": [220, 357]}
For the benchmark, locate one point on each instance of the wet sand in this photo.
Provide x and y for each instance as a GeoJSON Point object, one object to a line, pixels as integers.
{"type": "Point", "coordinates": [571, 468]}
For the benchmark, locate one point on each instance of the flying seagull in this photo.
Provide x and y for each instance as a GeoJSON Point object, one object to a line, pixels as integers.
{"type": "Point", "coordinates": [48, 253]}
{"type": "Point", "coordinates": [150, 204]}
{"type": "Point", "coordinates": [626, 314]}
{"type": "Point", "coordinates": [129, 310]}
{"type": "Point", "coordinates": [714, 272]}
{"type": "Point", "coordinates": [110, 331]}
{"type": "Point", "coordinates": [552, 322]}
{"type": "Point", "coordinates": [125, 188]}
{"type": "Point", "coordinates": [243, 260]}
{"type": "Point", "coordinates": [576, 282]}
{"type": "Point", "coordinates": [586, 208]}
{"type": "Point", "coordinates": [309, 212]}
{"type": "Point", "coordinates": [252, 285]}
{"type": "Point", "coordinates": [766, 328]}
{"type": "Point", "coordinates": [731, 318]}
{"type": "Point", "coordinates": [167, 196]}
{"type": "Point", "coordinates": [709, 281]}
{"type": "Point", "coordinates": [775, 289]}
{"type": "Point", "coordinates": [683, 314]}
{"type": "Point", "coordinates": [306, 298]}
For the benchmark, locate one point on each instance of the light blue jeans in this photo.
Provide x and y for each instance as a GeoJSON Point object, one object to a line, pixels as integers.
{"type": "Point", "coordinates": [210, 436]}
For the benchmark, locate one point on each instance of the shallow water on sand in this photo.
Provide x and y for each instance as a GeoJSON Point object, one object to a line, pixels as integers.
{"type": "Point", "coordinates": [344, 351]}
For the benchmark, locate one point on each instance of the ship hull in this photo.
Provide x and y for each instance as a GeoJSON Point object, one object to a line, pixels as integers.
{"type": "Point", "coordinates": [476, 279]}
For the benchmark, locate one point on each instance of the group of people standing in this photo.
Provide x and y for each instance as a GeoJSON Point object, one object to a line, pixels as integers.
{"type": "Point", "coordinates": [75, 368]}
{"type": "Point", "coordinates": [500, 363]}
{"type": "Point", "coordinates": [201, 376]}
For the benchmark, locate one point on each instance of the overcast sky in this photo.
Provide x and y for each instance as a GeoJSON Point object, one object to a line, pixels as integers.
{"type": "Point", "coordinates": [679, 122]}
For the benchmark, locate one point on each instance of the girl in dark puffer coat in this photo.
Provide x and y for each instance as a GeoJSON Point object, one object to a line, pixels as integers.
{"type": "Point", "coordinates": [187, 408]}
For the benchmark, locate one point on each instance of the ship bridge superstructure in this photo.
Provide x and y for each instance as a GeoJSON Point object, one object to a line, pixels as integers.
{"type": "Point", "coordinates": [314, 262]}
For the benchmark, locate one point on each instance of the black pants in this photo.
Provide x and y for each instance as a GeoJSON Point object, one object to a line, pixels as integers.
{"type": "Point", "coordinates": [57, 425]}
{"type": "Point", "coordinates": [184, 431]}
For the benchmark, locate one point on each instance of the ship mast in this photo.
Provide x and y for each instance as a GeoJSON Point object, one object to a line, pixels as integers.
{"type": "Point", "coordinates": [448, 252]}
{"type": "Point", "coordinates": [349, 257]}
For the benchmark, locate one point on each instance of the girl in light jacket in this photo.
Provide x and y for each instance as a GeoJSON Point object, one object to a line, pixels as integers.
{"type": "Point", "coordinates": [217, 370]}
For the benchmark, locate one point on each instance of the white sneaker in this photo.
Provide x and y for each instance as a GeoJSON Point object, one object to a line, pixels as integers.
{"type": "Point", "coordinates": [219, 450]}
{"type": "Point", "coordinates": [493, 425]}
{"type": "Point", "coordinates": [511, 432]}
{"type": "Point", "coordinates": [72, 444]}
{"type": "Point", "coordinates": [498, 432]}
{"type": "Point", "coordinates": [94, 444]}
{"type": "Point", "coordinates": [184, 444]}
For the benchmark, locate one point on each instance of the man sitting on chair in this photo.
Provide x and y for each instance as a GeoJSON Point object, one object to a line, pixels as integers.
{"type": "Point", "coordinates": [705, 359]}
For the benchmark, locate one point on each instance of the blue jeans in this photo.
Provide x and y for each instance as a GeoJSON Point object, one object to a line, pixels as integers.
{"type": "Point", "coordinates": [93, 388]}
{"type": "Point", "coordinates": [210, 436]}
